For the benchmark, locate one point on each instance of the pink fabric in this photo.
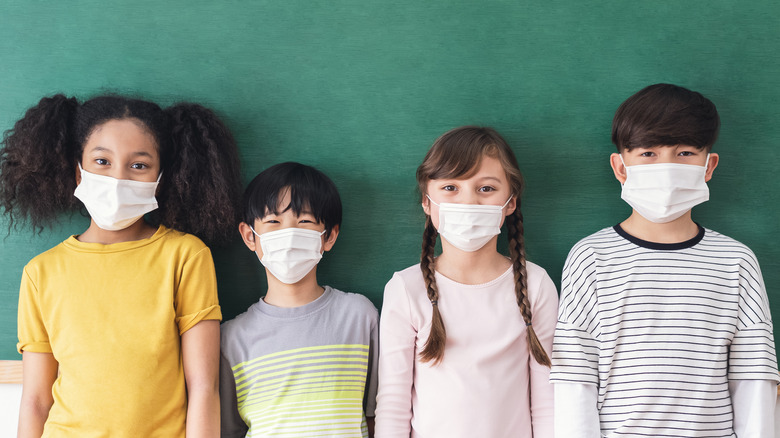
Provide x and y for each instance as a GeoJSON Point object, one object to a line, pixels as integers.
{"type": "Point", "coordinates": [487, 385]}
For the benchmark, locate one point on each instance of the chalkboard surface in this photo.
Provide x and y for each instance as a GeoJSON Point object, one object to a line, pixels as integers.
{"type": "Point", "coordinates": [361, 88]}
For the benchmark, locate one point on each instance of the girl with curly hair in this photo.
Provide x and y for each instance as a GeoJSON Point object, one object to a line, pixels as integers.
{"type": "Point", "coordinates": [119, 326]}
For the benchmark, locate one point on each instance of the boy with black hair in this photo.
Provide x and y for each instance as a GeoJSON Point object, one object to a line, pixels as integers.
{"type": "Point", "coordinates": [302, 361]}
{"type": "Point", "coordinates": [663, 327]}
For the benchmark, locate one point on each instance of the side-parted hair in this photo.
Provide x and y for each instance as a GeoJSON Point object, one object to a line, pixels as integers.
{"type": "Point", "coordinates": [310, 190]}
{"type": "Point", "coordinates": [200, 187]}
{"type": "Point", "coordinates": [665, 115]}
{"type": "Point", "coordinates": [456, 154]}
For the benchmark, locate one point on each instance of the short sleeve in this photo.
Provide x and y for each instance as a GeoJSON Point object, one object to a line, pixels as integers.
{"type": "Point", "coordinates": [575, 356]}
{"type": "Point", "coordinates": [33, 336]}
{"type": "Point", "coordinates": [752, 351]}
{"type": "Point", "coordinates": [372, 379]}
{"type": "Point", "coordinates": [231, 423]}
{"type": "Point", "coordinates": [196, 296]}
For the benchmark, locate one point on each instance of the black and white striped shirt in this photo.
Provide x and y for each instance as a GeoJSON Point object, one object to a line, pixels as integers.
{"type": "Point", "coordinates": [661, 329]}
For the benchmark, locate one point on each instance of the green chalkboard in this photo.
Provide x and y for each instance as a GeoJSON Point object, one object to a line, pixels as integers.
{"type": "Point", "coordinates": [361, 88]}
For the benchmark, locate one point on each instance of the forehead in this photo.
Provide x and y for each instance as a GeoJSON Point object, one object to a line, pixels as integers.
{"type": "Point", "coordinates": [487, 168]}
{"type": "Point", "coordinates": [122, 136]}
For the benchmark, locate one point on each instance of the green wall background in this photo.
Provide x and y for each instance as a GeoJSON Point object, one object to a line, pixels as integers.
{"type": "Point", "coordinates": [361, 88]}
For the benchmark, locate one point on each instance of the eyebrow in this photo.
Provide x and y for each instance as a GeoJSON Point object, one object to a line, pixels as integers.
{"type": "Point", "coordinates": [134, 154]}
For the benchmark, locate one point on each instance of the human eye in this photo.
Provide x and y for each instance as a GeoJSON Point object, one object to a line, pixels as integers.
{"type": "Point", "coordinates": [687, 154]}
{"type": "Point", "coordinates": [487, 189]}
{"type": "Point", "coordinates": [647, 154]}
{"type": "Point", "coordinates": [270, 220]}
{"type": "Point", "coordinates": [139, 166]}
{"type": "Point", "coordinates": [101, 162]}
{"type": "Point", "coordinates": [449, 188]}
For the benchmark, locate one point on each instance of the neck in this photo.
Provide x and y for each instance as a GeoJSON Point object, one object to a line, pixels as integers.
{"type": "Point", "coordinates": [676, 231]}
{"type": "Point", "coordinates": [293, 295]}
{"type": "Point", "coordinates": [477, 267]}
{"type": "Point", "coordinates": [137, 231]}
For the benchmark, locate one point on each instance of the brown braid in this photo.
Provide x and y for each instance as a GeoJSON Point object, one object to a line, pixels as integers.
{"type": "Point", "coordinates": [434, 346]}
{"type": "Point", "coordinates": [514, 223]}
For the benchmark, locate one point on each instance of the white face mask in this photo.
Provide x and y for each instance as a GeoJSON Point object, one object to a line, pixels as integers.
{"type": "Point", "coordinates": [663, 192]}
{"type": "Point", "coordinates": [291, 253]}
{"type": "Point", "coordinates": [115, 204]}
{"type": "Point", "coordinates": [469, 227]}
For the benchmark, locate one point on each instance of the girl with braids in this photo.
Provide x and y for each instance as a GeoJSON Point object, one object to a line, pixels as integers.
{"type": "Point", "coordinates": [465, 336]}
{"type": "Point", "coordinates": [119, 326]}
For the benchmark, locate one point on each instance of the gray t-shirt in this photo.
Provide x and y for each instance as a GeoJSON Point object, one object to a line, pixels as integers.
{"type": "Point", "coordinates": [302, 371]}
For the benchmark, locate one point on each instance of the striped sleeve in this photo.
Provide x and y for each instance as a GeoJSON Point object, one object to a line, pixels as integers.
{"type": "Point", "coordinates": [575, 356]}
{"type": "Point", "coordinates": [752, 352]}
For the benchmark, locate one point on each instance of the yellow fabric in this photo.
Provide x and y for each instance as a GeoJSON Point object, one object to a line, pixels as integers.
{"type": "Point", "coordinates": [113, 316]}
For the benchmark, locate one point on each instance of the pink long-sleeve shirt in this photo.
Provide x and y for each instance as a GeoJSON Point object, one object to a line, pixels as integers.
{"type": "Point", "coordinates": [488, 384]}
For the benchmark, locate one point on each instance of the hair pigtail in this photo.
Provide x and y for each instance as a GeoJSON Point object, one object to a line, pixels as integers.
{"type": "Point", "coordinates": [517, 251]}
{"type": "Point", "coordinates": [201, 178]}
{"type": "Point", "coordinates": [434, 346]}
{"type": "Point", "coordinates": [38, 163]}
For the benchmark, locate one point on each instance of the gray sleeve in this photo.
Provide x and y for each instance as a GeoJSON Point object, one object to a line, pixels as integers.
{"type": "Point", "coordinates": [232, 426]}
{"type": "Point", "coordinates": [369, 404]}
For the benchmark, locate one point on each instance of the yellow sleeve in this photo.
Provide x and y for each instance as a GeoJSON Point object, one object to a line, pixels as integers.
{"type": "Point", "coordinates": [196, 295]}
{"type": "Point", "coordinates": [32, 332]}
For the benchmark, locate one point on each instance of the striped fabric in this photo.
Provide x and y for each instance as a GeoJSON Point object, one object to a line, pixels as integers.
{"type": "Point", "coordinates": [292, 393]}
{"type": "Point", "coordinates": [661, 329]}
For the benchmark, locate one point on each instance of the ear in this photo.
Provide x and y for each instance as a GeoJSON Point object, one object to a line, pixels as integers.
{"type": "Point", "coordinates": [334, 234]}
{"type": "Point", "coordinates": [248, 236]}
{"type": "Point", "coordinates": [426, 205]}
{"type": "Point", "coordinates": [711, 165]}
{"type": "Point", "coordinates": [78, 174]}
{"type": "Point", "coordinates": [511, 206]}
{"type": "Point", "coordinates": [618, 167]}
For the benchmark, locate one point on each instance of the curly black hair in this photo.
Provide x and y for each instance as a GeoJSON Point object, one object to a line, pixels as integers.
{"type": "Point", "coordinates": [200, 188]}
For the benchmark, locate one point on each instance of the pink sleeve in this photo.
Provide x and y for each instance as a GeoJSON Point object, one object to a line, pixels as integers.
{"type": "Point", "coordinates": [397, 337]}
{"type": "Point", "coordinates": [544, 307]}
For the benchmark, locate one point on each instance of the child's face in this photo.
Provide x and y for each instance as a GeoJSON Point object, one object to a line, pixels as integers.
{"type": "Point", "coordinates": [285, 219]}
{"type": "Point", "coordinates": [488, 186]}
{"type": "Point", "coordinates": [121, 149]}
{"type": "Point", "coordinates": [680, 154]}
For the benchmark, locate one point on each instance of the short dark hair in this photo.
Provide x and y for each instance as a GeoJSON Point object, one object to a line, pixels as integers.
{"type": "Point", "coordinates": [665, 115]}
{"type": "Point", "coordinates": [309, 188]}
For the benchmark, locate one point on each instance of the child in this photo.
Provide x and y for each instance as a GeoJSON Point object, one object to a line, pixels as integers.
{"type": "Point", "coordinates": [119, 326]}
{"type": "Point", "coordinates": [664, 326]}
{"type": "Point", "coordinates": [464, 335]}
{"type": "Point", "coordinates": [301, 361]}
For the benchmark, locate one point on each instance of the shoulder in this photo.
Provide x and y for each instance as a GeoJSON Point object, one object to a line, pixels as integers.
{"type": "Point", "coordinates": [603, 238]}
{"type": "Point", "coordinates": [353, 302]}
{"type": "Point", "coordinates": [230, 330]}
{"type": "Point", "coordinates": [48, 258]}
{"type": "Point", "coordinates": [718, 246]}
{"type": "Point", "coordinates": [540, 285]}
{"type": "Point", "coordinates": [175, 238]}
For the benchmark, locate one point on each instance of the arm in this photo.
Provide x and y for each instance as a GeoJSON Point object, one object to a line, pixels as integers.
{"type": "Point", "coordinates": [753, 402]}
{"type": "Point", "coordinates": [200, 358]}
{"type": "Point", "coordinates": [544, 311]}
{"type": "Point", "coordinates": [232, 424]}
{"type": "Point", "coordinates": [576, 412]}
{"type": "Point", "coordinates": [39, 371]}
{"type": "Point", "coordinates": [397, 337]}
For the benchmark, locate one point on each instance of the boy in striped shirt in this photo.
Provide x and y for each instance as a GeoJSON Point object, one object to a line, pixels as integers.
{"type": "Point", "coordinates": [301, 362]}
{"type": "Point", "coordinates": [664, 327]}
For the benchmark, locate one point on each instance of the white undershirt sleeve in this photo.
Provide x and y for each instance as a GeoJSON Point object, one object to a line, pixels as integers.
{"type": "Point", "coordinates": [753, 402]}
{"type": "Point", "coordinates": [576, 411]}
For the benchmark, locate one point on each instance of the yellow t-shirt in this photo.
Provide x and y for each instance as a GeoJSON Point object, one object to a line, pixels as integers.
{"type": "Point", "coordinates": [113, 316]}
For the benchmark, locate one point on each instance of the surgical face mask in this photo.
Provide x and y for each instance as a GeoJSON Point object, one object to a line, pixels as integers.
{"type": "Point", "coordinates": [469, 227]}
{"type": "Point", "coordinates": [115, 204]}
{"type": "Point", "coordinates": [663, 192]}
{"type": "Point", "coordinates": [290, 253]}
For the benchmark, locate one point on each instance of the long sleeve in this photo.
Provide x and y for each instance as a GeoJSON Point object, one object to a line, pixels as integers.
{"type": "Point", "coordinates": [544, 305]}
{"type": "Point", "coordinates": [396, 363]}
{"type": "Point", "coordinates": [576, 412]}
{"type": "Point", "coordinates": [232, 425]}
{"type": "Point", "coordinates": [753, 402]}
